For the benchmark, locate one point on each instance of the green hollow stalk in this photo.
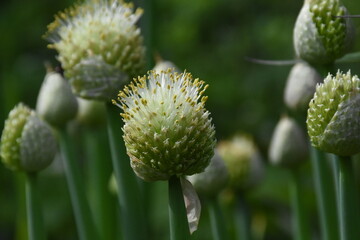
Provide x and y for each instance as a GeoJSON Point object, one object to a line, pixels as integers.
{"type": "Point", "coordinates": [242, 218]}
{"type": "Point", "coordinates": [348, 200]}
{"type": "Point", "coordinates": [129, 194]}
{"type": "Point", "coordinates": [179, 227]}
{"type": "Point", "coordinates": [300, 218]}
{"type": "Point", "coordinates": [21, 222]}
{"type": "Point", "coordinates": [99, 171]}
{"type": "Point", "coordinates": [148, 29]}
{"type": "Point", "coordinates": [33, 209]}
{"type": "Point", "coordinates": [218, 226]}
{"type": "Point", "coordinates": [83, 218]}
{"type": "Point", "coordinates": [325, 195]}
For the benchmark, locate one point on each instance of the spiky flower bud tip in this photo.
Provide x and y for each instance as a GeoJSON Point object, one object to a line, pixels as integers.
{"type": "Point", "coordinates": [27, 142]}
{"type": "Point", "coordinates": [333, 120]}
{"type": "Point", "coordinates": [99, 46]}
{"type": "Point", "coordinates": [167, 129]}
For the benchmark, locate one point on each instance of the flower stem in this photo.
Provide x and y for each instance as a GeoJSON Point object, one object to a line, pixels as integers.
{"type": "Point", "coordinates": [83, 218]}
{"type": "Point", "coordinates": [99, 170]}
{"type": "Point", "coordinates": [348, 201]}
{"type": "Point", "coordinates": [21, 221]}
{"type": "Point", "coordinates": [217, 219]}
{"type": "Point", "coordinates": [324, 186]}
{"type": "Point", "coordinates": [179, 227]}
{"type": "Point", "coordinates": [242, 219]}
{"type": "Point", "coordinates": [148, 27]}
{"type": "Point", "coordinates": [129, 195]}
{"type": "Point", "coordinates": [300, 221]}
{"type": "Point", "coordinates": [34, 213]}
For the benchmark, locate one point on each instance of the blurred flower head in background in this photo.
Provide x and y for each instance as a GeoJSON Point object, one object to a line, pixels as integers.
{"type": "Point", "coordinates": [99, 46]}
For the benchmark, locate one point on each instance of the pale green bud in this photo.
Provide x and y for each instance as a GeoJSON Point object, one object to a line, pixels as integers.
{"type": "Point", "coordinates": [27, 142]}
{"type": "Point", "coordinates": [333, 119]}
{"type": "Point", "coordinates": [56, 103]}
{"type": "Point", "coordinates": [213, 179]}
{"type": "Point", "coordinates": [113, 188]}
{"type": "Point", "coordinates": [243, 162]}
{"type": "Point", "coordinates": [163, 65]}
{"type": "Point", "coordinates": [91, 113]}
{"type": "Point", "coordinates": [319, 36]}
{"type": "Point", "coordinates": [300, 86]}
{"type": "Point", "coordinates": [288, 145]}
{"type": "Point", "coordinates": [99, 45]}
{"type": "Point", "coordinates": [167, 129]}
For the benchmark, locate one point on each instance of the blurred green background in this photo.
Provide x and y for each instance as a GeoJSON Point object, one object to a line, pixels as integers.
{"type": "Point", "coordinates": [208, 38]}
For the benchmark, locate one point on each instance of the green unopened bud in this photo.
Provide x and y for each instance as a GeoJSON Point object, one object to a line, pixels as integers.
{"type": "Point", "coordinates": [56, 103]}
{"type": "Point", "coordinates": [213, 179]}
{"type": "Point", "coordinates": [27, 142]}
{"type": "Point", "coordinates": [319, 36]}
{"type": "Point", "coordinates": [243, 162]}
{"type": "Point", "coordinates": [99, 46]}
{"type": "Point", "coordinates": [288, 144]}
{"type": "Point", "coordinates": [91, 113]}
{"type": "Point", "coordinates": [300, 86]}
{"type": "Point", "coordinates": [113, 188]}
{"type": "Point", "coordinates": [333, 120]}
{"type": "Point", "coordinates": [167, 129]}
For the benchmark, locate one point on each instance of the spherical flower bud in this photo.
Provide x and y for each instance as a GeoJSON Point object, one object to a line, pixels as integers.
{"type": "Point", "coordinates": [167, 129]}
{"type": "Point", "coordinates": [319, 36]}
{"type": "Point", "coordinates": [243, 162]}
{"type": "Point", "coordinates": [288, 145]}
{"type": "Point", "coordinates": [300, 86]}
{"type": "Point", "coordinates": [99, 46]}
{"type": "Point", "coordinates": [56, 103]}
{"type": "Point", "coordinates": [27, 142]}
{"type": "Point", "coordinates": [213, 179]}
{"type": "Point", "coordinates": [333, 119]}
{"type": "Point", "coordinates": [91, 113]}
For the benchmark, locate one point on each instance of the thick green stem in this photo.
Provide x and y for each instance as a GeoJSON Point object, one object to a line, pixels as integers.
{"type": "Point", "coordinates": [83, 218]}
{"type": "Point", "coordinates": [129, 195]}
{"type": "Point", "coordinates": [99, 171]}
{"type": "Point", "coordinates": [218, 225]}
{"type": "Point", "coordinates": [179, 227]}
{"type": "Point", "coordinates": [34, 212]}
{"type": "Point", "coordinates": [21, 221]}
{"type": "Point", "coordinates": [300, 219]}
{"type": "Point", "coordinates": [325, 195]}
{"type": "Point", "coordinates": [148, 27]}
{"type": "Point", "coordinates": [348, 201]}
{"type": "Point", "coordinates": [242, 219]}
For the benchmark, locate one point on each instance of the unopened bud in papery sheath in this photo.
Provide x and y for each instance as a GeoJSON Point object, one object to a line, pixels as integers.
{"type": "Point", "coordinates": [163, 65]}
{"type": "Point", "coordinates": [56, 103]}
{"type": "Point", "coordinates": [91, 113]}
{"type": "Point", "coordinates": [300, 86]}
{"type": "Point", "coordinates": [288, 145]}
